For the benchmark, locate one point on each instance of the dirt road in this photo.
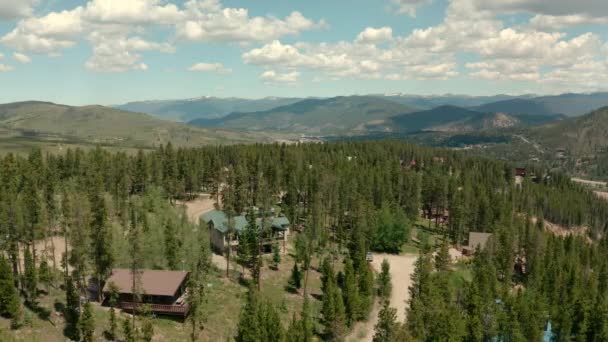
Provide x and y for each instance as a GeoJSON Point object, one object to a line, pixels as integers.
{"type": "Point", "coordinates": [402, 267]}
{"type": "Point", "coordinates": [195, 208]}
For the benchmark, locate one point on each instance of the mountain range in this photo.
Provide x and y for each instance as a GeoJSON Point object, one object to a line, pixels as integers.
{"type": "Point", "coordinates": [214, 107]}
{"type": "Point", "coordinates": [33, 123]}
{"type": "Point", "coordinates": [206, 107]}
{"type": "Point", "coordinates": [360, 115]}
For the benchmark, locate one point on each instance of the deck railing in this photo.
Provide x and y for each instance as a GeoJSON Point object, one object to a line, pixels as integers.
{"type": "Point", "coordinates": [162, 309]}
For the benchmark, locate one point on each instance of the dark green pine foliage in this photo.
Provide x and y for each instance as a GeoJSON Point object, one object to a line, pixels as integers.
{"type": "Point", "coordinates": [295, 280]}
{"type": "Point", "coordinates": [86, 324]}
{"type": "Point", "coordinates": [101, 234]}
{"type": "Point", "coordinates": [10, 304]}
{"type": "Point", "coordinates": [387, 328]}
{"type": "Point", "coordinates": [350, 293]}
{"type": "Point", "coordinates": [30, 278]}
{"type": "Point", "coordinates": [385, 286]}
{"type": "Point", "coordinates": [259, 321]}
{"type": "Point", "coordinates": [72, 310]}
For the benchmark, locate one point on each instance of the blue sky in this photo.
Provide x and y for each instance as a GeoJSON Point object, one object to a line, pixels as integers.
{"type": "Point", "coordinates": [114, 51]}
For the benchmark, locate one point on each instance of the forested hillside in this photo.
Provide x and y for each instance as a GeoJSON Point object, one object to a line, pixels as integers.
{"type": "Point", "coordinates": [345, 199]}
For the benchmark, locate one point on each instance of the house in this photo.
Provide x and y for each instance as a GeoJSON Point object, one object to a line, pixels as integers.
{"type": "Point", "coordinates": [218, 224]}
{"type": "Point", "coordinates": [162, 290]}
{"type": "Point", "coordinates": [476, 239]}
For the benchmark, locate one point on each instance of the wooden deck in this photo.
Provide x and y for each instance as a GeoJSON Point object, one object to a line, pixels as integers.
{"type": "Point", "coordinates": [160, 309]}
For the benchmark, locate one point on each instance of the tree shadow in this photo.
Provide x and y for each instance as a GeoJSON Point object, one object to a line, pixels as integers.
{"type": "Point", "coordinates": [43, 313]}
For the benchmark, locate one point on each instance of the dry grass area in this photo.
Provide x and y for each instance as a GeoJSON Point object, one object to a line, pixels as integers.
{"type": "Point", "coordinates": [44, 248]}
{"type": "Point", "coordinates": [602, 194]}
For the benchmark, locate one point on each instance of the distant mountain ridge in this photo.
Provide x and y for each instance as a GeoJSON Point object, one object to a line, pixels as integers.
{"type": "Point", "coordinates": [103, 125]}
{"type": "Point", "coordinates": [203, 107]}
{"type": "Point", "coordinates": [344, 115]}
{"type": "Point", "coordinates": [361, 115]}
{"type": "Point", "coordinates": [210, 108]}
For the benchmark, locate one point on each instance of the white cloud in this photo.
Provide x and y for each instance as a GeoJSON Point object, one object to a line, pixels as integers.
{"type": "Point", "coordinates": [217, 68]}
{"type": "Point", "coordinates": [21, 58]}
{"type": "Point", "coordinates": [127, 20]}
{"type": "Point", "coordinates": [11, 9]}
{"type": "Point", "coordinates": [235, 25]}
{"type": "Point", "coordinates": [375, 35]}
{"type": "Point", "coordinates": [409, 6]}
{"type": "Point", "coordinates": [48, 34]}
{"type": "Point", "coordinates": [552, 22]}
{"type": "Point", "coordinates": [132, 12]}
{"type": "Point", "coordinates": [271, 76]}
{"type": "Point", "coordinates": [120, 54]}
{"type": "Point", "coordinates": [4, 67]}
{"type": "Point", "coordinates": [594, 8]}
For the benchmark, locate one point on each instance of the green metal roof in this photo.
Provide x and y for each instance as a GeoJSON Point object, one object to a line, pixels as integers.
{"type": "Point", "coordinates": [220, 221]}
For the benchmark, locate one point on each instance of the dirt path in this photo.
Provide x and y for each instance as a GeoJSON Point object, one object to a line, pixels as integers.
{"type": "Point", "coordinates": [195, 208]}
{"type": "Point", "coordinates": [402, 267]}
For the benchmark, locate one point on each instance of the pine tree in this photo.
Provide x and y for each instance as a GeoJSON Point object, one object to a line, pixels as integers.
{"type": "Point", "coordinates": [351, 293]}
{"type": "Point", "coordinates": [72, 306]}
{"type": "Point", "coordinates": [295, 281]}
{"type": "Point", "coordinates": [30, 278]}
{"type": "Point", "coordinates": [271, 325]}
{"type": "Point", "coordinates": [386, 330]}
{"type": "Point", "coordinates": [112, 301]}
{"type": "Point", "coordinates": [128, 332]}
{"type": "Point", "coordinates": [442, 258]}
{"type": "Point", "coordinates": [147, 328]}
{"type": "Point", "coordinates": [86, 324]}
{"type": "Point", "coordinates": [10, 304]}
{"type": "Point", "coordinates": [249, 328]}
{"type": "Point", "coordinates": [101, 235]}
{"type": "Point", "coordinates": [276, 256]}
{"type": "Point", "coordinates": [196, 284]}
{"type": "Point", "coordinates": [172, 246]}
{"type": "Point", "coordinates": [384, 281]}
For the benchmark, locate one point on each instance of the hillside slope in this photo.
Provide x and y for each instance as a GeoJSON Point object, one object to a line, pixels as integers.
{"type": "Point", "coordinates": [334, 116]}
{"type": "Point", "coordinates": [204, 107]}
{"type": "Point", "coordinates": [580, 136]}
{"type": "Point", "coordinates": [102, 125]}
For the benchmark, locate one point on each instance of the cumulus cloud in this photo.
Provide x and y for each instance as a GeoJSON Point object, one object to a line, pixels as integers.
{"type": "Point", "coordinates": [217, 68]}
{"type": "Point", "coordinates": [375, 35]}
{"type": "Point", "coordinates": [11, 9]}
{"type": "Point", "coordinates": [235, 25]}
{"type": "Point", "coordinates": [357, 59]}
{"type": "Point", "coordinates": [120, 54]}
{"type": "Point", "coordinates": [409, 6]}
{"type": "Point", "coordinates": [552, 22]}
{"type": "Point", "coordinates": [271, 76]}
{"type": "Point", "coordinates": [21, 58]}
{"type": "Point", "coordinates": [5, 68]}
{"type": "Point", "coordinates": [132, 12]}
{"type": "Point", "coordinates": [47, 34]}
{"type": "Point", "coordinates": [128, 20]}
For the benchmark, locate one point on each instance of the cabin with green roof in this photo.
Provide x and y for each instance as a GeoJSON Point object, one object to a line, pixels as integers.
{"type": "Point", "coordinates": [218, 225]}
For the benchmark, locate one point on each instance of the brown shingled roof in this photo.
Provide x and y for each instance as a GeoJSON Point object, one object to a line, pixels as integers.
{"type": "Point", "coordinates": [153, 282]}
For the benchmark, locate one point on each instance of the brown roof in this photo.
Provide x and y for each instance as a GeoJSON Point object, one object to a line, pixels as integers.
{"type": "Point", "coordinates": [478, 239]}
{"type": "Point", "coordinates": [153, 282]}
